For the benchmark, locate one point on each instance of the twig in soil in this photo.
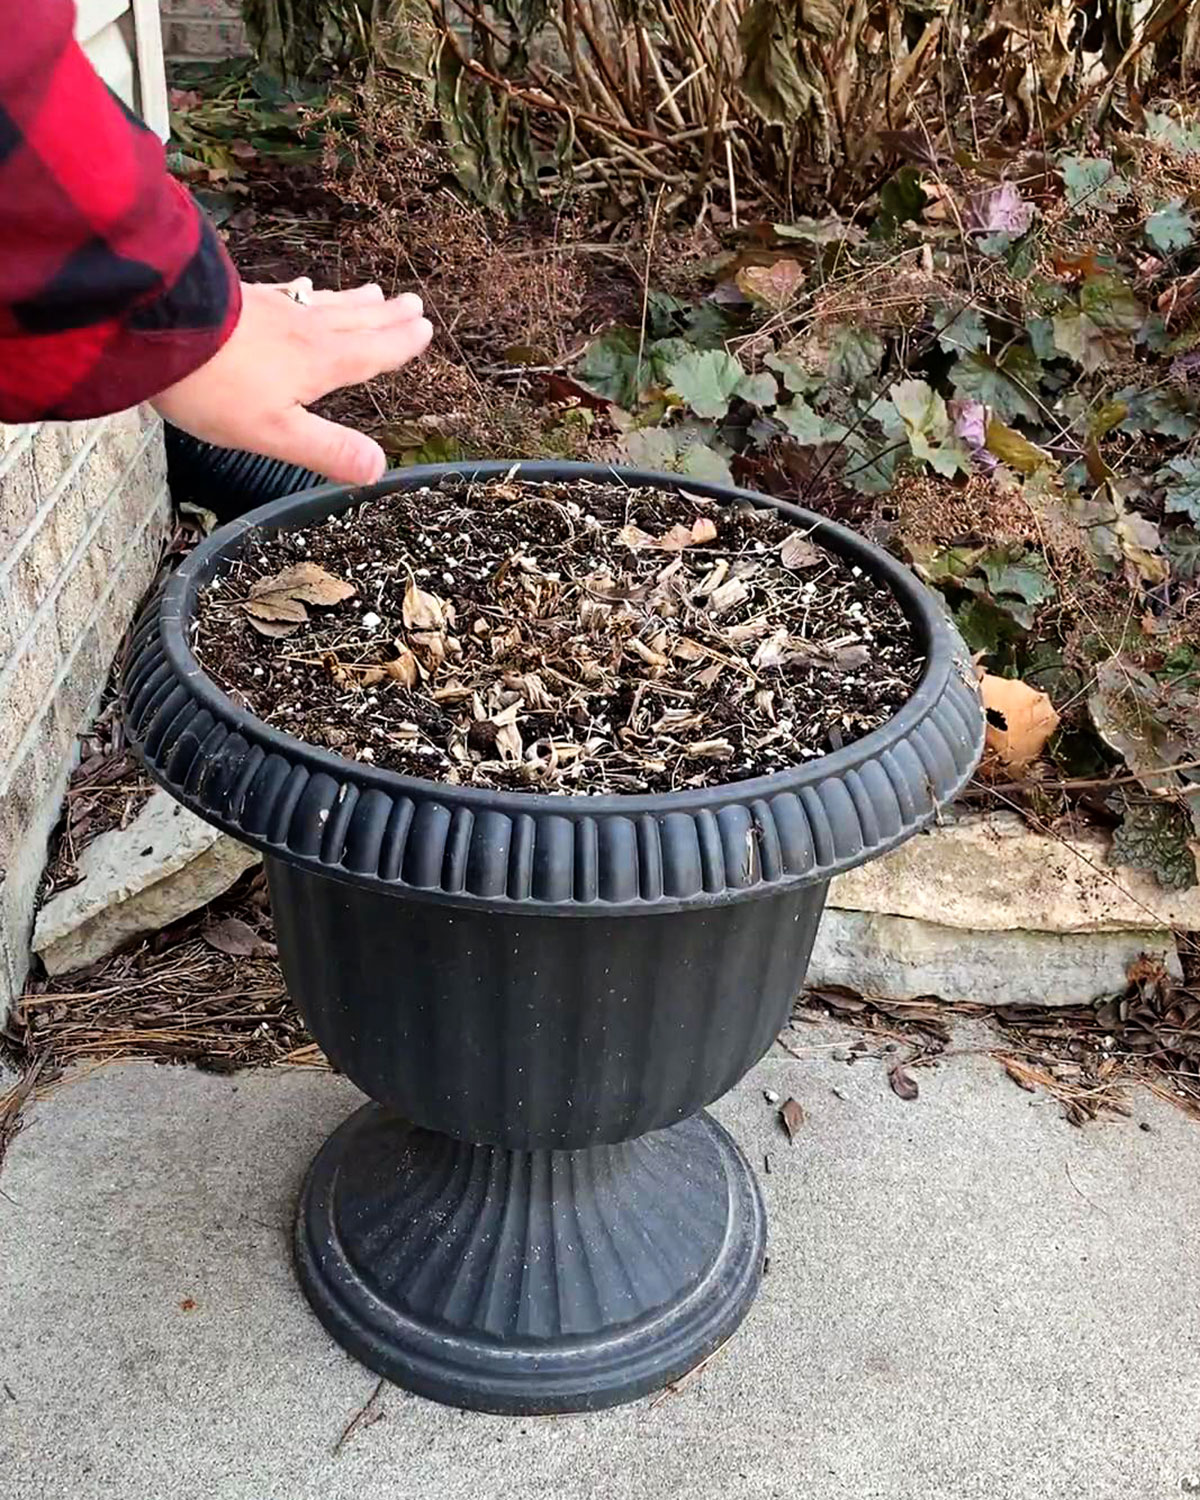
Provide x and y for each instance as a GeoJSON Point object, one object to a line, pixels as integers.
{"type": "Point", "coordinates": [367, 1416]}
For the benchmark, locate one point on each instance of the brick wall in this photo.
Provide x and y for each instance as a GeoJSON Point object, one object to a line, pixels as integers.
{"type": "Point", "coordinates": [83, 514]}
{"type": "Point", "coordinates": [202, 30]}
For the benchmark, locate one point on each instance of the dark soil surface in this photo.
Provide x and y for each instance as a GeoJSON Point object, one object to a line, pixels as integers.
{"type": "Point", "coordinates": [558, 638]}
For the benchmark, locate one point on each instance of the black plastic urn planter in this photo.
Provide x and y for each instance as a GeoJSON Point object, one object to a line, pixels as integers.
{"type": "Point", "coordinates": [540, 994]}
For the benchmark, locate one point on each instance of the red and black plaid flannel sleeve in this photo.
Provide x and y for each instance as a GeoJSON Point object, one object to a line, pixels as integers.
{"type": "Point", "coordinates": [113, 285]}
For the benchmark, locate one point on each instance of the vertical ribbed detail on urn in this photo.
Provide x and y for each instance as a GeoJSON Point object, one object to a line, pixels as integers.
{"type": "Point", "coordinates": [529, 1280]}
{"type": "Point", "coordinates": [527, 1030]}
{"type": "Point", "coordinates": [469, 1237]}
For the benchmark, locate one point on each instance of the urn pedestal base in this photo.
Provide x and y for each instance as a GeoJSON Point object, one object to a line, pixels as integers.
{"type": "Point", "coordinates": [528, 1282]}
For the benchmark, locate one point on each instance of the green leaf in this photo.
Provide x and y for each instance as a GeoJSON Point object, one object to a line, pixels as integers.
{"type": "Point", "coordinates": [610, 366]}
{"type": "Point", "coordinates": [1182, 547]}
{"type": "Point", "coordinates": [1024, 575]}
{"type": "Point", "coordinates": [944, 566]}
{"type": "Point", "coordinates": [650, 447]}
{"type": "Point", "coordinates": [1096, 333]}
{"type": "Point", "coordinates": [1153, 835]}
{"type": "Point", "coordinates": [1092, 184]}
{"type": "Point", "coordinates": [1168, 411]}
{"type": "Point", "coordinates": [686, 449]}
{"type": "Point", "coordinates": [1006, 387]}
{"type": "Point", "coordinates": [997, 245]}
{"type": "Point", "coordinates": [1041, 337]}
{"type": "Point", "coordinates": [1016, 580]}
{"type": "Point", "coordinates": [771, 79]}
{"type": "Point", "coordinates": [1110, 303]}
{"type": "Point", "coordinates": [613, 367]}
{"type": "Point", "coordinates": [870, 468]}
{"type": "Point", "coordinates": [1183, 490]}
{"type": "Point", "coordinates": [1014, 449]}
{"type": "Point", "coordinates": [1045, 668]}
{"type": "Point", "coordinates": [901, 199]}
{"type": "Point", "coordinates": [1171, 227]}
{"type": "Point", "coordinates": [706, 380]}
{"type": "Point", "coordinates": [960, 330]}
{"type": "Point", "coordinates": [665, 314]}
{"type": "Point", "coordinates": [920, 408]}
{"type": "Point", "coordinates": [1130, 711]}
{"type": "Point", "coordinates": [984, 626]}
{"type": "Point", "coordinates": [795, 373]}
{"type": "Point", "coordinates": [1182, 136]}
{"type": "Point", "coordinates": [924, 421]}
{"type": "Point", "coordinates": [759, 390]}
{"type": "Point", "coordinates": [818, 231]}
{"type": "Point", "coordinates": [855, 355]}
{"type": "Point", "coordinates": [704, 462]}
{"type": "Point", "coordinates": [805, 425]}
{"type": "Point", "coordinates": [707, 326]}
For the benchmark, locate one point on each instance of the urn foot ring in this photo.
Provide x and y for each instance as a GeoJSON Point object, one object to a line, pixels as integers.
{"type": "Point", "coordinates": [528, 1282]}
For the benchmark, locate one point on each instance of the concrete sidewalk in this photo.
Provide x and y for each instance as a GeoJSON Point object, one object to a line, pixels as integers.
{"type": "Point", "coordinates": [967, 1298]}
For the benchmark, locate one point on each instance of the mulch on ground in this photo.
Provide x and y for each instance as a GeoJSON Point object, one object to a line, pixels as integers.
{"type": "Point", "coordinates": [559, 637]}
{"type": "Point", "coordinates": [209, 993]}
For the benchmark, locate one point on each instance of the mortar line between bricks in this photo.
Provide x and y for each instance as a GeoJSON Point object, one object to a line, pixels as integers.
{"type": "Point", "coordinates": [80, 549]}
{"type": "Point", "coordinates": [9, 456]}
{"type": "Point", "coordinates": [47, 604]}
{"type": "Point", "coordinates": [78, 459]}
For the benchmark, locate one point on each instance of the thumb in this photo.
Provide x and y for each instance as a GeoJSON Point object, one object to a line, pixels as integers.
{"type": "Point", "coordinates": [338, 452]}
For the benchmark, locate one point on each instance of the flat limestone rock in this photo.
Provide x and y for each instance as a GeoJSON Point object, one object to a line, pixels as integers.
{"type": "Point", "coordinates": [993, 873]}
{"type": "Point", "coordinates": [901, 958]}
{"type": "Point", "coordinates": [138, 880]}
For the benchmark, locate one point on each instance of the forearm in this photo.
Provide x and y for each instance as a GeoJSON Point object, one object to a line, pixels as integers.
{"type": "Point", "coordinates": [113, 285]}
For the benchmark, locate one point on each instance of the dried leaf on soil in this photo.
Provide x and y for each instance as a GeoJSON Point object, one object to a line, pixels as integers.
{"type": "Point", "coordinates": [307, 582]}
{"type": "Point", "coordinates": [276, 605]}
{"type": "Point", "coordinates": [797, 551]}
{"type": "Point", "coordinates": [236, 938]}
{"type": "Point", "coordinates": [586, 638]}
{"type": "Point", "coordinates": [774, 286]}
{"type": "Point", "coordinates": [422, 610]}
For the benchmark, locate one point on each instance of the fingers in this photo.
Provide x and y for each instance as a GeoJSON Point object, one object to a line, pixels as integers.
{"type": "Point", "coordinates": [361, 316]}
{"type": "Point", "coordinates": [353, 357]}
{"type": "Point", "coordinates": [340, 453]}
{"type": "Point", "coordinates": [355, 296]}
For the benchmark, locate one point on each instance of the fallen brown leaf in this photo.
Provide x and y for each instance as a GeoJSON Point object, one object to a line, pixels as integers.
{"type": "Point", "coordinates": [773, 286]}
{"type": "Point", "coordinates": [422, 611]}
{"type": "Point", "coordinates": [791, 1114]}
{"type": "Point", "coordinates": [798, 552]}
{"type": "Point", "coordinates": [404, 668]}
{"type": "Point", "coordinates": [236, 938]}
{"type": "Point", "coordinates": [307, 582]}
{"type": "Point", "coordinates": [903, 1084]}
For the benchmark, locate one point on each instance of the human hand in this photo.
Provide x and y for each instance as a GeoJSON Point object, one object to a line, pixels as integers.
{"type": "Point", "coordinates": [290, 347]}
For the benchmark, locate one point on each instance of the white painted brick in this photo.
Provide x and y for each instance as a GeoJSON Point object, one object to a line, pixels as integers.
{"type": "Point", "coordinates": [83, 514]}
